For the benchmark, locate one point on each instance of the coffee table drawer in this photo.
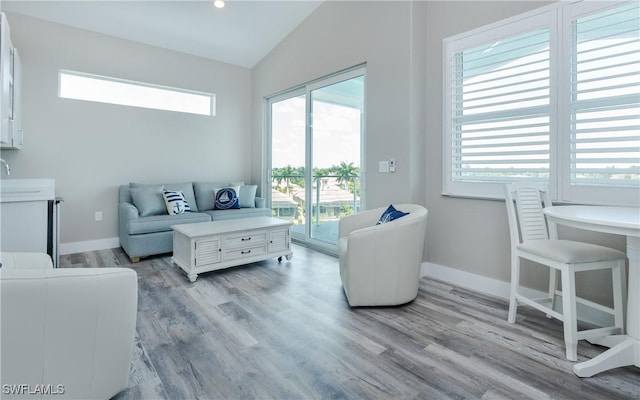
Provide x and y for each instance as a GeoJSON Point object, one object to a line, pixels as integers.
{"type": "Point", "coordinates": [245, 252]}
{"type": "Point", "coordinates": [249, 239]}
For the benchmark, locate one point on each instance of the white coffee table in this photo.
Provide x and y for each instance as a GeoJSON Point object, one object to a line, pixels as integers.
{"type": "Point", "coordinates": [209, 246]}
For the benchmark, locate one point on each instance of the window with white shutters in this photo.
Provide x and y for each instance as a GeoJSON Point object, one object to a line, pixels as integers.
{"type": "Point", "coordinates": [605, 97]}
{"type": "Point", "coordinates": [500, 112]}
{"type": "Point", "coordinates": [553, 96]}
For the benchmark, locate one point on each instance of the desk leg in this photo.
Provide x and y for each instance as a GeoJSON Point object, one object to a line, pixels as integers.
{"type": "Point", "coordinates": [627, 352]}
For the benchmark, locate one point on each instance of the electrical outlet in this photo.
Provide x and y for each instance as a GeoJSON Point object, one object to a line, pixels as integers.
{"type": "Point", "coordinates": [98, 216]}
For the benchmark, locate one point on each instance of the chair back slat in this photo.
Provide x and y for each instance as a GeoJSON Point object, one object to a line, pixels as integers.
{"type": "Point", "coordinates": [533, 225]}
{"type": "Point", "coordinates": [525, 202]}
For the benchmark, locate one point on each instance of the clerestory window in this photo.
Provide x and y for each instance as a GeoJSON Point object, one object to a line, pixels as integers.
{"type": "Point", "coordinates": [88, 87]}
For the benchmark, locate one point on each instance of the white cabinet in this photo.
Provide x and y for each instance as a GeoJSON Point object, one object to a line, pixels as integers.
{"type": "Point", "coordinates": [11, 81]}
{"type": "Point", "coordinates": [28, 216]}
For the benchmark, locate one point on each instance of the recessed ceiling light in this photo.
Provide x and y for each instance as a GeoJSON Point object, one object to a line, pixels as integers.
{"type": "Point", "coordinates": [218, 4]}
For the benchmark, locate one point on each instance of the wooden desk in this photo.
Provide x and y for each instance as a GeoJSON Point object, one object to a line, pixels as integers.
{"type": "Point", "coordinates": [625, 349]}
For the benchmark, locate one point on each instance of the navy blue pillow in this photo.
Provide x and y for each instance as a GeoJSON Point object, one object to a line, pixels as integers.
{"type": "Point", "coordinates": [226, 198]}
{"type": "Point", "coordinates": [390, 214]}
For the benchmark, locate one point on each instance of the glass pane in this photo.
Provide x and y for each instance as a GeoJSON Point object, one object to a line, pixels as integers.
{"type": "Point", "coordinates": [500, 110]}
{"type": "Point", "coordinates": [605, 101]}
{"type": "Point", "coordinates": [288, 161]}
{"type": "Point", "coordinates": [336, 135]}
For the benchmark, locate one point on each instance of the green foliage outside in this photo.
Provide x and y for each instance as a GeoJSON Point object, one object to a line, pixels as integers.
{"type": "Point", "coordinates": [345, 174]}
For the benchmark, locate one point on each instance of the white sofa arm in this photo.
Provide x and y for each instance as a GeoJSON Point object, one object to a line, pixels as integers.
{"type": "Point", "coordinates": [72, 327]}
{"type": "Point", "coordinates": [11, 260]}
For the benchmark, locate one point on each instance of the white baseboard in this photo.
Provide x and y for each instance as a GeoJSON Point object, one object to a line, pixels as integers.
{"type": "Point", "coordinates": [501, 289]}
{"type": "Point", "coordinates": [468, 280]}
{"type": "Point", "coordinates": [89, 245]}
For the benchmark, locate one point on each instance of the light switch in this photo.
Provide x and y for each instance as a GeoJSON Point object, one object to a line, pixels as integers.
{"type": "Point", "coordinates": [383, 166]}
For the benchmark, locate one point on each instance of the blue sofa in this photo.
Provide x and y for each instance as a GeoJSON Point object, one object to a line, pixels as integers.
{"type": "Point", "coordinates": [144, 225]}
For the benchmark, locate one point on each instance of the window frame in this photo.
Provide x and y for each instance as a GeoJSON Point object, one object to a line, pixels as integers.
{"type": "Point", "coordinates": [557, 18]}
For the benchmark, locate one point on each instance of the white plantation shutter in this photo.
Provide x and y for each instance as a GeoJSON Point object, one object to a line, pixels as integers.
{"type": "Point", "coordinates": [605, 98]}
{"type": "Point", "coordinates": [552, 95]}
{"type": "Point", "coordinates": [500, 94]}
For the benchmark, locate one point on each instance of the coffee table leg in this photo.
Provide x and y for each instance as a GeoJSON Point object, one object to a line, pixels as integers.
{"type": "Point", "coordinates": [192, 277]}
{"type": "Point", "coordinates": [289, 257]}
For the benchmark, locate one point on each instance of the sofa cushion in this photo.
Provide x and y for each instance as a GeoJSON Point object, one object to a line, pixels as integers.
{"type": "Point", "coordinates": [162, 223]}
{"type": "Point", "coordinates": [148, 200]}
{"type": "Point", "coordinates": [247, 196]}
{"type": "Point", "coordinates": [184, 187]}
{"type": "Point", "coordinates": [204, 194]}
{"type": "Point", "coordinates": [219, 215]}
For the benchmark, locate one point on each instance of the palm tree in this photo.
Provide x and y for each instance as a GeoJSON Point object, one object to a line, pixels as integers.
{"type": "Point", "coordinates": [285, 173]}
{"type": "Point", "coordinates": [346, 173]}
{"type": "Point", "coordinates": [277, 176]}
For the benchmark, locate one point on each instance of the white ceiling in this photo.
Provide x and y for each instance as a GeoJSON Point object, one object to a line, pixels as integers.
{"type": "Point", "coordinates": [241, 33]}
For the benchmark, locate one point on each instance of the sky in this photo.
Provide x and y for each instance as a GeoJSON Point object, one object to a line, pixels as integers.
{"type": "Point", "coordinates": [336, 134]}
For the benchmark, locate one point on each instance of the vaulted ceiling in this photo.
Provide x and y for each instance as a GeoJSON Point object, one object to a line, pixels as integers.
{"type": "Point", "coordinates": [241, 33]}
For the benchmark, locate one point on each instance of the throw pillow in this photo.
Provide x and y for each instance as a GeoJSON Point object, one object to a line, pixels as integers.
{"type": "Point", "coordinates": [148, 200]}
{"type": "Point", "coordinates": [186, 188]}
{"type": "Point", "coordinates": [175, 202]}
{"type": "Point", "coordinates": [390, 214]}
{"type": "Point", "coordinates": [226, 198]}
{"type": "Point", "coordinates": [247, 196]}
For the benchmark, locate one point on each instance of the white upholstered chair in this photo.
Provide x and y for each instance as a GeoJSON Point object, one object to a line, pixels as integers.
{"type": "Point", "coordinates": [536, 239]}
{"type": "Point", "coordinates": [69, 326]}
{"type": "Point", "coordinates": [380, 264]}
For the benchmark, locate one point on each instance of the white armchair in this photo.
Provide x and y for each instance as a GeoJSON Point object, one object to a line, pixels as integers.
{"type": "Point", "coordinates": [380, 264]}
{"type": "Point", "coordinates": [72, 327]}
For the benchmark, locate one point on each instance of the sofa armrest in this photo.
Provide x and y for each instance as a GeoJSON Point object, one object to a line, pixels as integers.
{"type": "Point", "coordinates": [70, 326]}
{"type": "Point", "coordinates": [260, 202]}
{"type": "Point", "coordinates": [25, 260]}
{"type": "Point", "coordinates": [127, 212]}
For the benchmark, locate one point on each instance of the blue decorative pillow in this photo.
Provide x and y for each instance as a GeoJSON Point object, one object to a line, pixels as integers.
{"type": "Point", "coordinates": [390, 214]}
{"type": "Point", "coordinates": [226, 198]}
{"type": "Point", "coordinates": [175, 202]}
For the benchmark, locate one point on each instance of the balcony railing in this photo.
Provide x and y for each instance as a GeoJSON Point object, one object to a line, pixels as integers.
{"type": "Point", "coordinates": [332, 197]}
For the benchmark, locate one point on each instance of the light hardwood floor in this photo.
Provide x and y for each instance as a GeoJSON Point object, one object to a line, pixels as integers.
{"type": "Point", "coordinates": [274, 330]}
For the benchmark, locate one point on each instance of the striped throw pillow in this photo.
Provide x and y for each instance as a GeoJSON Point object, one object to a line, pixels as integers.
{"type": "Point", "coordinates": [176, 203]}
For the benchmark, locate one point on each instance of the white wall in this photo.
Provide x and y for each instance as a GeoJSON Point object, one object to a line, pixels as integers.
{"type": "Point", "coordinates": [339, 35]}
{"type": "Point", "coordinates": [91, 148]}
{"type": "Point", "coordinates": [473, 235]}
{"type": "Point", "coordinates": [401, 43]}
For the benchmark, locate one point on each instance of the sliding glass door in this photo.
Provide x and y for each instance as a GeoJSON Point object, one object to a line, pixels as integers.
{"type": "Point", "coordinates": [315, 154]}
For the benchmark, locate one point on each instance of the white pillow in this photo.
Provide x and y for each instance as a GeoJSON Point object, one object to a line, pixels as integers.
{"type": "Point", "coordinates": [175, 202]}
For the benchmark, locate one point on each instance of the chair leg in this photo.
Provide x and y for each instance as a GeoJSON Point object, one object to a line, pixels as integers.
{"type": "Point", "coordinates": [515, 282]}
{"type": "Point", "coordinates": [619, 282]}
{"type": "Point", "coordinates": [569, 313]}
{"type": "Point", "coordinates": [553, 273]}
